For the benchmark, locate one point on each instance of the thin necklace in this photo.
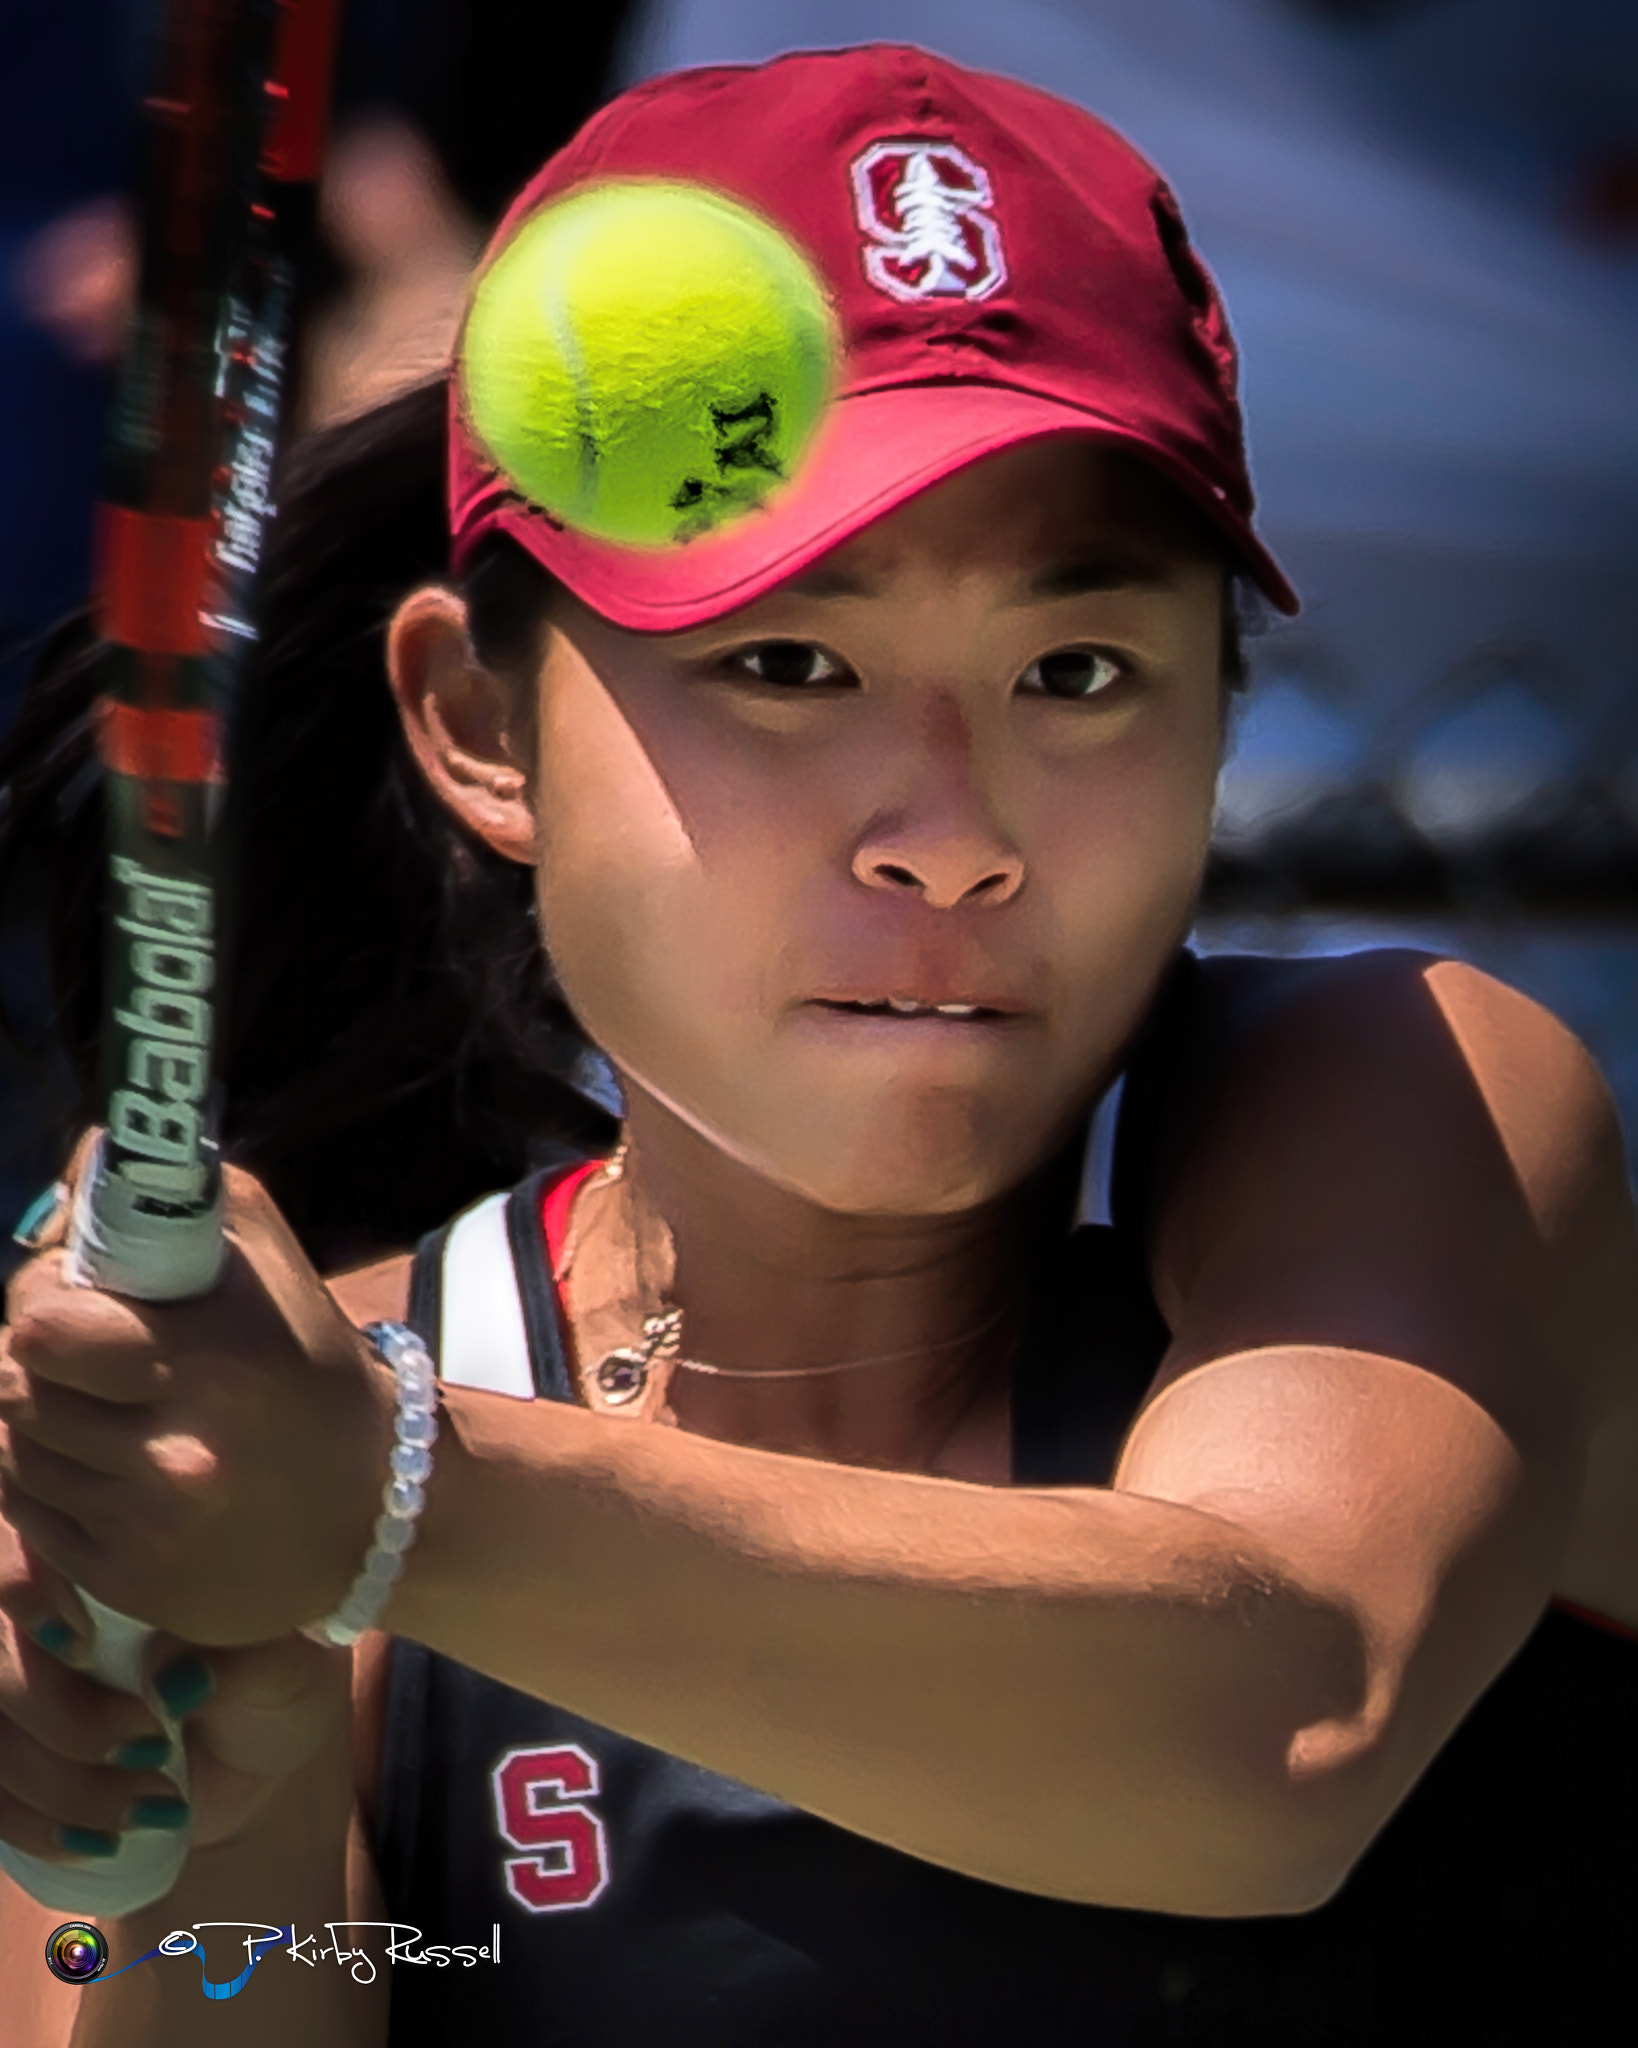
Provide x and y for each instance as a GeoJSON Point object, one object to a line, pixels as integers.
{"type": "Point", "coordinates": [623, 1374]}
{"type": "Point", "coordinates": [810, 1372]}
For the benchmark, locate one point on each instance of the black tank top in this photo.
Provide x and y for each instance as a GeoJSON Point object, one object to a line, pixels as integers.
{"type": "Point", "coordinates": [643, 1902]}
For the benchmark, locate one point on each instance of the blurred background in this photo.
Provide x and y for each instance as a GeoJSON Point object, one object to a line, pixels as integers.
{"type": "Point", "coordinates": [1424, 217]}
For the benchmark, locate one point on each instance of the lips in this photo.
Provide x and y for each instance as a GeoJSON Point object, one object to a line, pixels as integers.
{"type": "Point", "coordinates": [966, 1009]}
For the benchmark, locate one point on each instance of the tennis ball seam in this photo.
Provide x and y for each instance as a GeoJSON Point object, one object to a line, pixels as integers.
{"type": "Point", "coordinates": [574, 361]}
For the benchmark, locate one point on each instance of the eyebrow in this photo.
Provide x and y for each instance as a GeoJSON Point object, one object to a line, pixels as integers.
{"type": "Point", "coordinates": [1074, 576]}
{"type": "Point", "coordinates": [822, 582]}
{"type": "Point", "coordinates": [1078, 574]}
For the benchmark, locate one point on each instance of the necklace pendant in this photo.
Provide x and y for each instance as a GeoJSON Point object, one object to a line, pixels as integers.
{"type": "Point", "coordinates": [622, 1376]}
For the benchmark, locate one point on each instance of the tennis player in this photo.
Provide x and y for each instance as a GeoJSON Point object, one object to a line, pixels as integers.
{"type": "Point", "coordinates": [1031, 1487]}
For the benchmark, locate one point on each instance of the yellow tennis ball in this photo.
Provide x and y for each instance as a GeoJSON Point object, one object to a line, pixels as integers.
{"type": "Point", "coordinates": [646, 360]}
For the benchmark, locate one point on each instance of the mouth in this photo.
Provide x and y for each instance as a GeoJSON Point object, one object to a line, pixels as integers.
{"type": "Point", "coordinates": [916, 1006]}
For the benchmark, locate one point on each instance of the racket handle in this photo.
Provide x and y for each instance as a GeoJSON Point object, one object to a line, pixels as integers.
{"type": "Point", "coordinates": [117, 1244]}
{"type": "Point", "coordinates": [121, 1241]}
{"type": "Point", "coordinates": [149, 1860]}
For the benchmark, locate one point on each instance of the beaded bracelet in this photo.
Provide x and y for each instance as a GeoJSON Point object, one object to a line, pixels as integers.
{"type": "Point", "coordinates": [415, 1431]}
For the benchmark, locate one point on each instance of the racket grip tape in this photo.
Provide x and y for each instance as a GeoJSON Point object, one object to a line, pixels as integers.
{"type": "Point", "coordinates": [140, 1251]}
{"type": "Point", "coordinates": [125, 1243]}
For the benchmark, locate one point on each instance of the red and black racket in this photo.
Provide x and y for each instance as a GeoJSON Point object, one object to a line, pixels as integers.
{"type": "Point", "coordinates": [231, 138]}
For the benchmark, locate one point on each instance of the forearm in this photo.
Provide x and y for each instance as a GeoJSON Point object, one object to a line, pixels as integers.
{"type": "Point", "coordinates": [287, 1868]}
{"type": "Point", "coordinates": [1081, 1693]}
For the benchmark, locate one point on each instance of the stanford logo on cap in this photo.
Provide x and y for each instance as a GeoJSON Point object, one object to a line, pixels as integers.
{"type": "Point", "coordinates": [926, 208]}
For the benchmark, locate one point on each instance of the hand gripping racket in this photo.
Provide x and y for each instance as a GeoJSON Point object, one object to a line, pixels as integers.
{"type": "Point", "coordinates": [231, 138]}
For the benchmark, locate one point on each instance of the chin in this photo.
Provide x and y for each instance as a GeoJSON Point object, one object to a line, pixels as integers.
{"type": "Point", "coordinates": [898, 1165]}
{"type": "Point", "coordinates": [867, 1151]}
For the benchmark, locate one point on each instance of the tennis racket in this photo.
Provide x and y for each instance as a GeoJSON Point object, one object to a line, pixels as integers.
{"type": "Point", "coordinates": [230, 144]}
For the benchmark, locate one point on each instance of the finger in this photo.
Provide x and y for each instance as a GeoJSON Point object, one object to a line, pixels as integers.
{"type": "Point", "coordinates": [38, 1600]}
{"type": "Point", "coordinates": [73, 1715]}
{"type": "Point", "coordinates": [43, 1225]}
{"type": "Point", "coordinates": [263, 1240]}
{"type": "Point", "coordinates": [100, 1796]}
{"type": "Point", "coordinates": [38, 1834]}
{"type": "Point", "coordinates": [96, 1500]}
{"type": "Point", "coordinates": [51, 1535]}
{"type": "Point", "coordinates": [108, 1535]}
{"type": "Point", "coordinates": [78, 1337]}
{"type": "Point", "coordinates": [80, 1157]}
{"type": "Point", "coordinates": [105, 1436]}
{"type": "Point", "coordinates": [250, 1214]}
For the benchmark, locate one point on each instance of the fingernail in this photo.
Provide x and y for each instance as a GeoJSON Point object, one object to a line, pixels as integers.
{"type": "Point", "coordinates": [53, 1635]}
{"type": "Point", "coordinates": [87, 1842]}
{"type": "Point", "coordinates": [184, 1685]}
{"type": "Point", "coordinates": [147, 1753]}
{"type": "Point", "coordinates": [31, 1225]}
{"type": "Point", "coordinates": [160, 1813]}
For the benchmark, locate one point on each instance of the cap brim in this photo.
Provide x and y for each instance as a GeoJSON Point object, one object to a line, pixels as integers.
{"type": "Point", "coordinates": [874, 450]}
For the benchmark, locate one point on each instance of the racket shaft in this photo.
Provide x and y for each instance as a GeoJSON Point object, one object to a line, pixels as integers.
{"type": "Point", "coordinates": [231, 139]}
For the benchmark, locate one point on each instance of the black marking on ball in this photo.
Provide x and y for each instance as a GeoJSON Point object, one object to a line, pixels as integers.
{"type": "Point", "coordinates": [741, 455]}
{"type": "Point", "coordinates": [743, 435]}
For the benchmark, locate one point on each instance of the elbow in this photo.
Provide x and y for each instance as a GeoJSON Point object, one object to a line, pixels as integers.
{"type": "Point", "coordinates": [1276, 1864]}
{"type": "Point", "coordinates": [1313, 1830]}
{"type": "Point", "coordinates": [1296, 1878]}
{"type": "Point", "coordinates": [1222, 1847]}
{"type": "Point", "coordinates": [1290, 1789]}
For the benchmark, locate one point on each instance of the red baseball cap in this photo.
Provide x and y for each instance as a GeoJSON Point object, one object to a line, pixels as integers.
{"type": "Point", "coordinates": [1040, 282]}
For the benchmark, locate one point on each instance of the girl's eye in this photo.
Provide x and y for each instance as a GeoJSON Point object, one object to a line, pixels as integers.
{"type": "Point", "coordinates": [1072, 672]}
{"type": "Point", "coordinates": [787, 664]}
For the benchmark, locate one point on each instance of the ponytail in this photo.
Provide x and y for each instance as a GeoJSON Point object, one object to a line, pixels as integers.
{"type": "Point", "coordinates": [394, 1041]}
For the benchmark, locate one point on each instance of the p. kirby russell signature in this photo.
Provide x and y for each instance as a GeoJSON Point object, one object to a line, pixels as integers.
{"type": "Point", "coordinates": [404, 1945]}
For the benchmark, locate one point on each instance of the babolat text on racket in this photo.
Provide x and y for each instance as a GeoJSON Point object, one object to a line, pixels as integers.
{"type": "Point", "coordinates": [230, 142]}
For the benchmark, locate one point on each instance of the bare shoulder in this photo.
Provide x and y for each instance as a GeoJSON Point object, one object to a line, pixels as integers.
{"type": "Point", "coordinates": [1385, 1084]}
{"type": "Point", "coordinates": [377, 1293]}
{"type": "Point", "coordinates": [1395, 1246]}
{"type": "Point", "coordinates": [1398, 1156]}
{"type": "Point", "coordinates": [1398, 1153]}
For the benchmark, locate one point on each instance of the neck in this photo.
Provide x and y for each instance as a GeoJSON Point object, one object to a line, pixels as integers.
{"type": "Point", "coordinates": [776, 1290]}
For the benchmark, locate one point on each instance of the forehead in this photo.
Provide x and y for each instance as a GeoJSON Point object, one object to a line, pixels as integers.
{"type": "Point", "coordinates": [1061, 500]}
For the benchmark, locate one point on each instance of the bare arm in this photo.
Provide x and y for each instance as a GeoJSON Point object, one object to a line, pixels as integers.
{"type": "Point", "coordinates": [1201, 1691]}
{"type": "Point", "coordinates": [1397, 1262]}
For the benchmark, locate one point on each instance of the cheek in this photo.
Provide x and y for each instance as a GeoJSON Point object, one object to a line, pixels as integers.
{"type": "Point", "coordinates": [1132, 822]}
{"type": "Point", "coordinates": [1119, 851]}
{"type": "Point", "coordinates": [659, 885]}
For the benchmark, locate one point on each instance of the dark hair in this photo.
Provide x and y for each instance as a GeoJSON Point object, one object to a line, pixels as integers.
{"type": "Point", "coordinates": [394, 1041]}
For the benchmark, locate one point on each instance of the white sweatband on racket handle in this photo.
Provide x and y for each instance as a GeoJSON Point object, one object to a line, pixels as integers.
{"type": "Point", "coordinates": [415, 1431]}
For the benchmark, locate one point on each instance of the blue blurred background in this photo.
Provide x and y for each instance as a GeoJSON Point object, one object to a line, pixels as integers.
{"type": "Point", "coordinates": [1424, 216]}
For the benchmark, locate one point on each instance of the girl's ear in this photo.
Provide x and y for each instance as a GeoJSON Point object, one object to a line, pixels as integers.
{"type": "Point", "coordinates": [467, 727]}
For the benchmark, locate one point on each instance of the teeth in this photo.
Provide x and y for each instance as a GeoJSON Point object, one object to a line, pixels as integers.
{"type": "Point", "coordinates": [907, 1006]}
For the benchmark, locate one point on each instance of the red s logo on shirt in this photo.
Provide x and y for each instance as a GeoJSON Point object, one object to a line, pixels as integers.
{"type": "Point", "coordinates": [538, 1795]}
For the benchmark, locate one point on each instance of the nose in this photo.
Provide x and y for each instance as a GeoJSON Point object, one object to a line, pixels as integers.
{"type": "Point", "coordinates": [941, 839]}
